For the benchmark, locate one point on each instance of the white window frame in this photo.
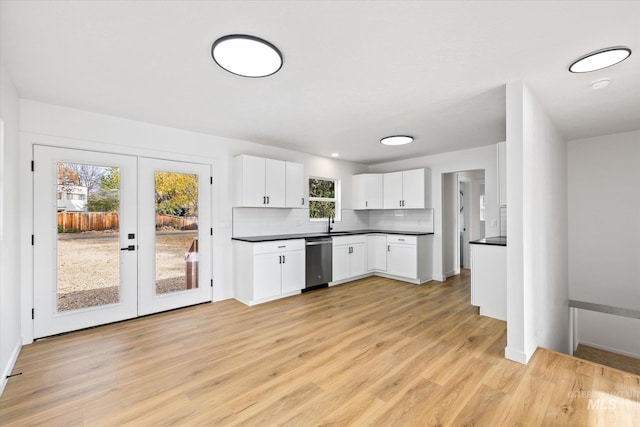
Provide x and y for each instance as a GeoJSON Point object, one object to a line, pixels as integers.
{"type": "Point", "coordinates": [337, 190]}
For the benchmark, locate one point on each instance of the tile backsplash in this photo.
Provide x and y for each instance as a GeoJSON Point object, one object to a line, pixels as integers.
{"type": "Point", "coordinates": [269, 221]}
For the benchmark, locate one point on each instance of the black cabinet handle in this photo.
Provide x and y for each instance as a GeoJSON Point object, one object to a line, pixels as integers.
{"type": "Point", "coordinates": [302, 202]}
{"type": "Point", "coordinates": [264, 200]}
{"type": "Point", "coordinates": [267, 199]}
{"type": "Point", "coordinates": [284, 259]}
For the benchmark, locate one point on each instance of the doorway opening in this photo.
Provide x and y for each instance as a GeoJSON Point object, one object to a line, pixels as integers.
{"type": "Point", "coordinates": [463, 217]}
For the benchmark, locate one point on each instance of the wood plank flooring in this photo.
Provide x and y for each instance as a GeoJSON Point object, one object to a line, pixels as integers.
{"type": "Point", "coordinates": [373, 352]}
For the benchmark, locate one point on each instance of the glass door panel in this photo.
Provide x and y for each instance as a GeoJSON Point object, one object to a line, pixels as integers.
{"type": "Point", "coordinates": [88, 239]}
{"type": "Point", "coordinates": [176, 206]}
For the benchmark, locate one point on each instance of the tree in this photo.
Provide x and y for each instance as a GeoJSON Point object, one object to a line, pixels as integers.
{"type": "Point", "coordinates": [176, 193]}
{"type": "Point", "coordinates": [86, 175]}
{"type": "Point", "coordinates": [106, 197]}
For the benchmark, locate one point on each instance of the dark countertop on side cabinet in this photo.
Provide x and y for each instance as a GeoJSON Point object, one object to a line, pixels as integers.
{"type": "Point", "coordinates": [256, 239]}
{"type": "Point", "coordinates": [495, 241]}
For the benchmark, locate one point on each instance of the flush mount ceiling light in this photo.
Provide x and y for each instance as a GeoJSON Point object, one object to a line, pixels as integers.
{"type": "Point", "coordinates": [246, 56]}
{"type": "Point", "coordinates": [396, 140]}
{"type": "Point", "coordinates": [600, 59]}
{"type": "Point", "coordinates": [335, 154]}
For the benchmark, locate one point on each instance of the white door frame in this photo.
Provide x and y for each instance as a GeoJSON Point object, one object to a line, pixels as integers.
{"type": "Point", "coordinates": [28, 140]}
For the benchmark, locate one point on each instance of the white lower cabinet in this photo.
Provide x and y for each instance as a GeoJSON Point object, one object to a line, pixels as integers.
{"type": "Point", "coordinates": [489, 280]}
{"type": "Point", "coordinates": [401, 257]}
{"type": "Point", "coordinates": [268, 270]}
{"type": "Point", "coordinates": [349, 257]}
{"type": "Point", "coordinates": [377, 252]}
{"type": "Point", "coordinates": [409, 258]}
{"type": "Point", "coordinates": [401, 260]}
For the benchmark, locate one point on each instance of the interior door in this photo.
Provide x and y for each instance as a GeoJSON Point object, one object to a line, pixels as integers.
{"type": "Point", "coordinates": [85, 257]}
{"type": "Point", "coordinates": [175, 235]}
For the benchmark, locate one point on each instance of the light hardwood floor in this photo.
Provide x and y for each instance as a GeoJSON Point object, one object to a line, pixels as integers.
{"type": "Point", "coordinates": [373, 352]}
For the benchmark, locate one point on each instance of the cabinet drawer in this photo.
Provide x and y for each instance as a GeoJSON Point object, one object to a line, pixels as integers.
{"type": "Point", "coordinates": [349, 240]}
{"type": "Point", "coordinates": [399, 238]}
{"type": "Point", "coordinates": [278, 246]}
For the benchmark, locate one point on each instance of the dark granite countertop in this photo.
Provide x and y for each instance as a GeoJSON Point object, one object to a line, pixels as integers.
{"type": "Point", "coordinates": [495, 241]}
{"type": "Point", "coordinates": [256, 239]}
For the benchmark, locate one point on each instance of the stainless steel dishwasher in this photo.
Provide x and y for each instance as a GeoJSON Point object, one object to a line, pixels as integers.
{"type": "Point", "coordinates": [318, 264]}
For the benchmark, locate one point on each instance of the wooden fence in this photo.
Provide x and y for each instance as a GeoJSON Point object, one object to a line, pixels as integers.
{"type": "Point", "coordinates": [75, 222]}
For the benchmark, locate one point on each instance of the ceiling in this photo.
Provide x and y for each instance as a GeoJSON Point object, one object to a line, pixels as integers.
{"type": "Point", "coordinates": [354, 71]}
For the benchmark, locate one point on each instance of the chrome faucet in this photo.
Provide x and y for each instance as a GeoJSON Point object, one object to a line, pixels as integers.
{"type": "Point", "coordinates": [330, 221]}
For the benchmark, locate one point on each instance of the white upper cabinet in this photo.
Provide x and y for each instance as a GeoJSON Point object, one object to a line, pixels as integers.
{"type": "Point", "coordinates": [261, 182]}
{"type": "Point", "coordinates": [295, 185]}
{"type": "Point", "coordinates": [502, 173]}
{"type": "Point", "coordinates": [367, 191]}
{"type": "Point", "coordinates": [405, 189]}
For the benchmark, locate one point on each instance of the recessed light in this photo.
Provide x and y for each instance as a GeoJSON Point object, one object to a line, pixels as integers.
{"type": "Point", "coordinates": [335, 154]}
{"type": "Point", "coordinates": [396, 140]}
{"type": "Point", "coordinates": [246, 56]}
{"type": "Point", "coordinates": [600, 59]}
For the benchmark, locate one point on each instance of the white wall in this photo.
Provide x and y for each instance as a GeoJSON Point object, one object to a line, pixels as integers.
{"type": "Point", "coordinates": [604, 236]}
{"type": "Point", "coordinates": [10, 331]}
{"type": "Point", "coordinates": [54, 125]}
{"type": "Point", "coordinates": [449, 223]}
{"type": "Point", "coordinates": [475, 158]}
{"type": "Point", "coordinates": [537, 252]}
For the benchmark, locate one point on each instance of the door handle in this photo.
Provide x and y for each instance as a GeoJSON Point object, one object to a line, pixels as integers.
{"type": "Point", "coordinates": [129, 248]}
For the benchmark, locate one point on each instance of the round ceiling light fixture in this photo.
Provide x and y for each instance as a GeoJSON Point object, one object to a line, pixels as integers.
{"type": "Point", "coordinates": [396, 140]}
{"type": "Point", "coordinates": [600, 59]}
{"type": "Point", "coordinates": [246, 56]}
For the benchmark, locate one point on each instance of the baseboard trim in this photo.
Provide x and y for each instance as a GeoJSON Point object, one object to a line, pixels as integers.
{"type": "Point", "coordinates": [516, 355]}
{"type": "Point", "coordinates": [439, 278]}
{"type": "Point", "coordinates": [609, 349]}
{"type": "Point", "coordinates": [10, 365]}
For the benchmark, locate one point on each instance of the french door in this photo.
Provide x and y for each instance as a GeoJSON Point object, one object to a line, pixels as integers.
{"type": "Point", "coordinates": [116, 237]}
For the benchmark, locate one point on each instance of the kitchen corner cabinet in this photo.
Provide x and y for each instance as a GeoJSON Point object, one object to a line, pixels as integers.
{"type": "Point", "coordinates": [489, 280]}
{"type": "Point", "coordinates": [367, 191]}
{"type": "Point", "coordinates": [502, 173]}
{"type": "Point", "coordinates": [261, 182]}
{"type": "Point", "coordinates": [404, 189]}
{"type": "Point", "coordinates": [349, 257]}
{"type": "Point", "coordinates": [268, 270]}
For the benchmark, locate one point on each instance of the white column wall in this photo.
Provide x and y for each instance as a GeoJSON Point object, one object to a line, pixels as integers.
{"type": "Point", "coordinates": [537, 251]}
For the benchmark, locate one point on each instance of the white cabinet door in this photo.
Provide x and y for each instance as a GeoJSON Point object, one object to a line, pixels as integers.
{"type": "Point", "coordinates": [359, 191]}
{"type": "Point", "coordinates": [402, 260]}
{"type": "Point", "coordinates": [377, 252]}
{"type": "Point", "coordinates": [413, 189]}
{"type": "Point", "coordinates": [293, 277]}
{"type": "Point", "coordinates": [393, 190]}
{"type": "Point", "coordinates": [357, 259]}
{"type": "Point", "coordinates": [266, 275]}
{"type": "Point", "coordinates": [367, 191]}
{"type": "Point", "coordinates": [275, 183]}
{"type": "Point", "coordinates": [253, 179]}
{"type": "Point", "coordinates": [374, 188]}
{"type": "Point", "coordinates": [340, 262]}
{"type": "Point", "coordinates": [295, 185]}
